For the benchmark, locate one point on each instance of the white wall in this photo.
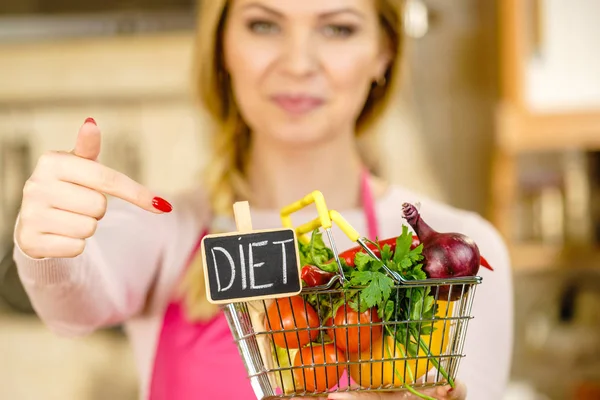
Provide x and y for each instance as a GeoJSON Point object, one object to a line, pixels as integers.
{"type": "Point", "coordinates": [566, 73]}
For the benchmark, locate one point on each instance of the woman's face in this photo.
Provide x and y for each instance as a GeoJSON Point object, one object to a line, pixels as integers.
{"type": "Point", "coordinates": [301, 70]}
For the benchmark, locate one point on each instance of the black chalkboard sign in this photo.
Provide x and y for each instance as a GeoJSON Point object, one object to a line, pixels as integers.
{"type": "Point", "coordinates": [251, 265]}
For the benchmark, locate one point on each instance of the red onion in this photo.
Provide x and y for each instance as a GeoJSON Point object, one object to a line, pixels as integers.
{"type": "Point", "coordinates": [447, 255]}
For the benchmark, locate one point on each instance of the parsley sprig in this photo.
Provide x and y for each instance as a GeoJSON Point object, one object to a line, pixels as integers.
{"type": "Point", "coordinates": [412, 308]}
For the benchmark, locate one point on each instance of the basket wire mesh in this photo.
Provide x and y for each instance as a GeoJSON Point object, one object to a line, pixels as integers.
{"type": "Point", "coordinates": [375, 355]}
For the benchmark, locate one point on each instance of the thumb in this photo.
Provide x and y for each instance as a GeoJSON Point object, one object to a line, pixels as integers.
{"type": "Point", "coordinates": [88, 141]}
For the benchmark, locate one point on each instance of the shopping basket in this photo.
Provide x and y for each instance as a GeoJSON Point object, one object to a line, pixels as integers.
{"type": "Point", "coordinates": [423, 350]}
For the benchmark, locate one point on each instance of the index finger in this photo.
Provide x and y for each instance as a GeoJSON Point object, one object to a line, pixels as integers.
{"type": "Point", "coordinates": [103, 179]}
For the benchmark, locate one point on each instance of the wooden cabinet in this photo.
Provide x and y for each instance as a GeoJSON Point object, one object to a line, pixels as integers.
{"type": "Point", "coordinates": [549, 110]}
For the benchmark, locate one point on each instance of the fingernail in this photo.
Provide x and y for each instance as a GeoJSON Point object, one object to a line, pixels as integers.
{"type": "Point", "coordinates": [91, 121]}
{"type": "Point", "coordinates": [162, 205]}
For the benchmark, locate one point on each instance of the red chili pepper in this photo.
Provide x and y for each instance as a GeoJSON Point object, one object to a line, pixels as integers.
{"type": "Point", "coordinates": [314, 276]}
{"type": "Point", "coordinates": [484, 263]}
{"type": "Point", "coordinates": [348, 255]}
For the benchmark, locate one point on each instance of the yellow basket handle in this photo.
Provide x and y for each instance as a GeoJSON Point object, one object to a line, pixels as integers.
{"type": "Point", "coordinates": [344, 225]}
{"type": "Point", "coordinates": [324, 220]}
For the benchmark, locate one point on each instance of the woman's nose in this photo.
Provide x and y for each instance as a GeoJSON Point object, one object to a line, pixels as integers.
{"type": "Point", "coordinates": [299, 58]}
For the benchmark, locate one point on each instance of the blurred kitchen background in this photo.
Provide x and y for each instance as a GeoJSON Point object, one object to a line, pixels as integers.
{"type": "Point", "coordinates": [500, 114]}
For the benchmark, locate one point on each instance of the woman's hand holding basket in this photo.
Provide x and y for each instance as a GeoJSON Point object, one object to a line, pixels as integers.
{"type": "Point", "coordinates": [440, 393]}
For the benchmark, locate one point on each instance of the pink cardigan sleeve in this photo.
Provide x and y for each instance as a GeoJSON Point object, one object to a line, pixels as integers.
{"type": "Point", "coordinates": [109, 281]}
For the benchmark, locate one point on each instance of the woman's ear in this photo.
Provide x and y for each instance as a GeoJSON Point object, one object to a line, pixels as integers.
{"type": "Point", "coordinates": [383, 61]}
{"type": "Point", "coordinates": [381, 67]}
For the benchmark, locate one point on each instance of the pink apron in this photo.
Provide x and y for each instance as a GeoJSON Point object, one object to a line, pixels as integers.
{"type": "Point", "coordinates": [200, 360]}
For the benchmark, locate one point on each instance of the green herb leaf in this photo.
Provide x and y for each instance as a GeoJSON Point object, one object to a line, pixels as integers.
{"type": "Point", "coordinates": [415, 272]}
{"type": "Point", "coordinates": [378, 287]}
{"type": "Point", "coordinates": [304, 253]}
{"type": "Point", "coordinates": [429, 303]}
{"type": "Point", "coordinates": [426, 329]}
{"type": "Point", "coordinates": [403, 243]}
{"type": "Point", "coordinates": [386, 253]}
{"type": "Point", "coordinates": [387, 312]}
{"type": "Point", "coordinates": [362, 261]}
{"type": "Point", "coordinates": [405, 258]}
{"type": "Point", "coordinates": [361, 278]}
{"type": "Point", "coordinates": [416, 305]}
{"type": "Point", "coordinates": [412, 258]}
{"type": "Point", "coordinates": [412, 349]}
{"type": "Point", "coordinates": [317, 253]}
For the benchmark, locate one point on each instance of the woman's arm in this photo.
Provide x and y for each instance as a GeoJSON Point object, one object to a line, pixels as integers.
{"type": "Point", "coordinates": [109, 281]}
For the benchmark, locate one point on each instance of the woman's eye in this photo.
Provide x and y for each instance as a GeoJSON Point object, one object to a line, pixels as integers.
{"type": "Point", "coordinates": [339, 30]}
{"type": "Point", "coordinates": [263, 27]}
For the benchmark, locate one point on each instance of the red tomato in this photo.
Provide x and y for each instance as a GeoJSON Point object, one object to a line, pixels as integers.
{"type": "Point", "coordinates": [319, 378]}
{"type": "Point", "coordinates": [281, 317]}
{"type": "Point", "coordinates": [348, 338]}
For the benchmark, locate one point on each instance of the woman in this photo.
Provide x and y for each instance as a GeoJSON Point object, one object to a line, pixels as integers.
{"type": "Point", "coordinates": [291, 85]}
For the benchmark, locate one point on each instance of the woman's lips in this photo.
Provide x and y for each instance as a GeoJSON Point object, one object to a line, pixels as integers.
{"type": "Point", "coordinates": [297, 104]}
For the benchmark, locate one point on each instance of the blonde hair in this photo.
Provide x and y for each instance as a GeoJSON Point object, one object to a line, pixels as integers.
{"type": "Point", "coordinates": [225, 172]}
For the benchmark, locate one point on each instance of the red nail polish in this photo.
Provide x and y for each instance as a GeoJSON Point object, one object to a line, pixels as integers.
{"type": "Point", "coordinates": [162, 205]}
{"type": "Point", "coordinates": [91, 121]}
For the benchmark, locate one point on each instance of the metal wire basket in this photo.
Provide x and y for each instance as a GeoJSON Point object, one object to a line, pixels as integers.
{"type": "Point", "coordinates": [376, 354]}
